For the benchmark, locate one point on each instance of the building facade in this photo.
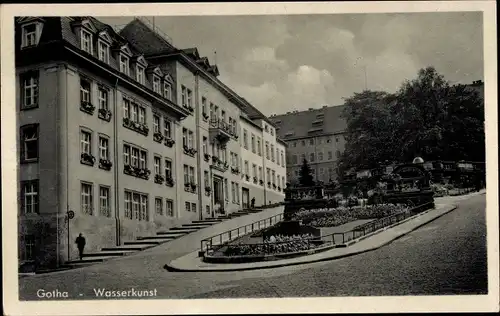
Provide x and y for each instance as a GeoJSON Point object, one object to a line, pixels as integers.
{"type": "Point", "coordinates": [123, 131]}
{"type": "Point", "coordinates": [316, 135]}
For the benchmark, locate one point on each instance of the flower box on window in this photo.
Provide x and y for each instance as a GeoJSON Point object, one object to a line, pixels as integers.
{"type": "Point", "coordinates": [261, 182]}
{"type": "Point", "coordinates": [279, 188]}
{"type": "Point", "coordinates": [189, 151]}
{"type": "Point", "coordinates": [215, 159]}
{"type": "Point", "coordinates": [105, 164]}
{"type": "Point", "coordinates": [235, 170]}
{"type": "Point", "coordinates": [104, 114]}
{"type": "Point", "coordinates": [193, 186]}
{"type": "Point", "coordinates": [274, 186]}
{"type": "Point", "coordinates": [247, 177]}
{"type": "Point", "coordinates": [136, 126]}
{"type": "Point", "coordinates": [207, 157]}
{"type": "Point", "coordinates": [169, 181]}
{"type": "Point", "coordinates": [190, 108]}
{"type": "Point", "coordinates": [158, 137]}
{"type": "Point", "coordinates": [208, 190]}
{"type": "Point", "coordinates": [205, 117]}
{"type": "Point", "coordinates": [137, 172]}
{"type": "Point", "coordinates": [269, 184]}
{"type": "Point", "coordinates": [255, 180]}
{"type": "Point", "coordinates": [87, 159]}
{"type": "Point", "coordinates": [159, 178]}
{"type": "Point", "coordinates": [169, 142]}
{"type": "Point", "coordinates": [87, 107]}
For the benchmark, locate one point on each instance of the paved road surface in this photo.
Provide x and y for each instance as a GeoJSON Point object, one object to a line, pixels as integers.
{"type": "Point", "coordinates": [447, 256]}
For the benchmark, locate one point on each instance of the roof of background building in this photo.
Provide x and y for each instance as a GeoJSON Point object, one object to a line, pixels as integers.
{"type": "Point", "coordinates": [309, 123]}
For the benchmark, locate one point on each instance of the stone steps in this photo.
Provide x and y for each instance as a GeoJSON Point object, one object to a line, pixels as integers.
{"type": "Point", "coordinates": [126, 248]}
{"type": "Point", "coordinates": [104, 254]}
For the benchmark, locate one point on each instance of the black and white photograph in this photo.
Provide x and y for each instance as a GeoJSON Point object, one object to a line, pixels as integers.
{"type": "Point", "coordinates": [322, 157]}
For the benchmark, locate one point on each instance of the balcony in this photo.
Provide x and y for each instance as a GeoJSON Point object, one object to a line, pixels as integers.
{"type": "Point", "coordinates": [221, 131]}
{"type": "Point", "coordinates": [218, 164]}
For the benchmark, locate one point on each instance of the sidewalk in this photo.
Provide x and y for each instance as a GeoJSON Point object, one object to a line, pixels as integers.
{"type": "Point", "coordinates": [192, 263]}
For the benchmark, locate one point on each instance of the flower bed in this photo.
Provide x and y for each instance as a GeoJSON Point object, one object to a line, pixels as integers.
{"type": "Point", "coordinates": [331, 217]}
{"type": "Point", "coordinates": [280, 244]}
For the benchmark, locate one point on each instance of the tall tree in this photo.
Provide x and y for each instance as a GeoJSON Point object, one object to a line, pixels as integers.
{"type": "Point", "coordinates": [305, 175]}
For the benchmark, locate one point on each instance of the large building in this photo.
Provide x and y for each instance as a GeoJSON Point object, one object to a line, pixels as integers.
{"type": "Point", "coordinates": [316, 135]}
{"type": "Point", "coordinates": [131, 135]}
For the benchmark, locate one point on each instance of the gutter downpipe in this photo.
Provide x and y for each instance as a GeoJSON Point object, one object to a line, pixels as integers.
{"type": "Point", "coordinates": [115, 158]}
{"type": "Point", "coordinates": [197, 137]}
{"type": "Point", "coordinates": [264, 169]}
{"type": "Point", "coordinates": [67, 157]}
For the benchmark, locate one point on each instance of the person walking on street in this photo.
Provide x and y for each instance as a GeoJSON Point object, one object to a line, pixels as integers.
{"type": "Point", "coordinates": [252, 203]}
{"type": "Point", "coordinates": [80, 243]}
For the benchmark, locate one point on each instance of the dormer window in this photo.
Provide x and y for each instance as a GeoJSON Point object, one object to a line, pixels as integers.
{"type": "Point", "coordinates": [167, 90]}
{"type": "Point", "coordinates": [124, 64]}
{"type": "Point", "coordinates": [86, 41]}
{"type": "Point", "coordinates": [31, 34]}
{"type": "Point", "coordinates": [139, 74]}
{"type": "Point", "coordinates": [156, 84]}
{"type": "Point", "coordinates": [103, 51]}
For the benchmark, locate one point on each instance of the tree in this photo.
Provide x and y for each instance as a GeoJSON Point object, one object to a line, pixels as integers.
{"type": "Point", "coordinates": [426, 117]}
{"type": "Point", "coordinates": [305, 176]}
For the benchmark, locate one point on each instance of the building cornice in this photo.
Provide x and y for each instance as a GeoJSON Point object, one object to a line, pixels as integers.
{"type": "Point", "coordinates": [287, 139]}
{"type": "Point", "coordinates": [248, 120]}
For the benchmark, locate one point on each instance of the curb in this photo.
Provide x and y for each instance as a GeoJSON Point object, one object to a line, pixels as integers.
{"type": "Point", "coordinates": [170, 268]}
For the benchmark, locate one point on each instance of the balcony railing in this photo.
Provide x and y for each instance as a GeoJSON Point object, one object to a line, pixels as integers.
{"type": "Point", "coordinates": [223, 130]}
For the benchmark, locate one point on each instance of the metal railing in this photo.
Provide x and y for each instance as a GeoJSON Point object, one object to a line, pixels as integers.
{"type": "Point", "coordinates": [316, 241]}
{"type": "Point", "coordinates": [217, 241]}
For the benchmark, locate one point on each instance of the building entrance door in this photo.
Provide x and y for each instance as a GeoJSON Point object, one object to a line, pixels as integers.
{"type": "Point", "coordinates": [245, 198]}
{"type": "Point", "coordinates": [218, 195]}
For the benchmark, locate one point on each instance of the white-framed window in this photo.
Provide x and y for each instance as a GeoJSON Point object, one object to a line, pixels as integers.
{"type": "Point", "coordinates": [29, 83]}
{"type": "Point", "coordinates": [126, 154]}
{"type": "Point", "coordinates": [189, 97]}
{"type": "Point", "coordinates": [205, 145]}
{"type": "Point", "coordinates": [278, 181]}
{"type": "Point", "coordinates": [126, 108]}
{"type": "Point", "coordinates": [247, 171]}
{"type": "Point", "coordinates": [190, 139]}
{"type": "Point", "coordinates": [226, 189]}
{"type": "Point", "coordinates": [183, 96]}
{"type": "Point", "coordinates": [192, 178]}
{"type": "Point", "coordinates": [311, 157]}
{"type": "Point", "coordinates": [184, 137]}
{"type": "Point", "coordinates": [282, 159]}
{"type": "Point", "coordinates": [139, 74]}
{"type": "Point", "coordinates": [167, 90]}
{"type": "Point", "coordinates": [274, 177]}
{"type": "Point", "coordinates": [87, 198]}
{"type": "Point", "coordinates": [124, 64]}
{"type": "Point", "coordinates": [157, 165]}
{"type": "Point", "coordinates": [103, 148]}
{"type": "Point", "coordinates": [206, 177]}
{"type": "Point", "coordinates": [103, 51]}
{"type": "Point", "coordinates": [104, 205]}
{"type": "Point", "coordinates": [168, 168]}
{"type": "Point", "coordinates": [188, 206]}
{"type": "Point", "coordinates": [254, 170]}
{"type": "Point", "coordinates": [193, 207]}
{"type": "Point", "coordinates": [203, 105]}
{"type": "Point", "coordinates": [237, 193]}
{"type": "Point", "coordinates": [31, 34]}
{"type": "Point", "coordinates": [211, 114]}
{"type": "Point", "coordinates": [86, 142]}
{"type": "Point", "coordinates": [156, 84]}
{"type": "Point", "coordinates": [159, 206]}
{"type": "Point", "coordinates": [144, 208]}
{"type": "Point", "coordinates": [143, 159]}
{"type": "Point", "coordinates": [167, 128]}
{"type": "Point", "coordinates": [128, 205]}
{"type": "Point", "coordinates": [103, 98]}
{"type": "Point", "coordinates": [29, 196]}
{"type": "Point", "coordinates": [156, 123]}
{"type": "Point", "coordinates": [186, 174]}
{"type": "Point", "coordinates": [267, 150]}
{"type": "Point", "coordinates": [223, 116]}
{"type": "Point", "coordinates": [253, 143]}
{"type": "Point", "coordinates": [330, 155]}
{"type": "Point", "coordinates": [245, 139]}
{"type": "Point", "coordinates": [29, 142]}
{"type": "Point", "coordinates": [136, 206]}
{"type": "Point", "coordinates": [142, 115]}
{"type": "Point", "coordinates": [135, 157]}
{"type": "Point", "coordinates": [260, 173]}
{"type": "Point", "coordinates": [272, 152]}
{"type": "Point", "coordinates": [268, 175]}
{"type": "Point", "coordinates": [86, 41]}
{"type": "Point", "coordinates": [169, 207]}
{"type": "Point", "coordinates": [233, 192]}
{"type": "Point", "coordinates": [85, 91]}
{"type": "Point", "coordinates": [283, 182]}
{"type": "Point", "coordinates": [259, 148]}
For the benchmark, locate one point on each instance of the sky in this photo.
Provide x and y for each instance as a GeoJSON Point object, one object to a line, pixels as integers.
{"type": "Point", "coordinates": [295, 62]}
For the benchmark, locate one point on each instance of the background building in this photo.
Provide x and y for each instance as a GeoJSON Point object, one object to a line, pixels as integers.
{"type": "Point", "coordinates": [130, 133]}
{"type": "Point", "coordinates": [317, 135]}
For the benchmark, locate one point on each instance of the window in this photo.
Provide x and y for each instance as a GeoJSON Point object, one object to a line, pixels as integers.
{"type": "Point", "coordinates": [126, 154]}
{"type": "Point", "coordinates": [86, 41]}
{"type": "Point", "coordinates": [320, 156]}
{"type": "Point", "coordinates": [103, 148]}
{"type": "Point", "coordinates": [29, 197]}
{"type": "Point", "coordinates": [193, 207]}
{"type": "Point", "coordinates": [205, 145]}
{"type": "Point", "coordinates": [283, 182]}
{"type": "Point", "coordinates": [336, 139]}
{"type": "Point", "coordinates": [128, 205]}
{"type": "Point", "coordinates": [320, 141]}
{"type": "Point", "coordinates": [303, 157]}
{"type": "Point", "coordinates": [207, 209]}
{"type": "Point", "coordinates": [186, 174]}
{"type": "Point", "coordinates": [282, 158]}
{"type": "Point", "coordinates": [86, 198]}
{"type": "Point", "coordinates": [254, 170]}
{"type": "Point", "coordinates": [188, 206]}
{"type": "Point", "coordinates": [103, 51]}
{"type": "Point", "coordinates": [278, 181]}
{"type": "Point", "coordinates": [156, 123]}
{"type": "Point", "coordinates": [29, 145]}
{"type": "Point", "coordinates": [104, 205]}
{"type": "Point", "coordinates": [189, 98]}
{"type": "Point", "coordinates": [29, 247]}
{"type": "Point", "coordinates": [139, 74]}
{"type": "Point", "coordinates": [144, 208]}
{"type": "Point", "coordinates": [86, 142]}
{"type": "Point", "coordinates": [126, 108]}
{"type": "Point", "coordinates": [245, 139]}
{"type": "Point", "coordinates": [330, 155]}
{"type": "Point", "coordinates": [233, 191]}
{"type": "Point", "coordinates": [142, 115]}
{"type": "Point", "coordinates": [267, 150]}
{"type": "Point", "coordinates": [259, 149]}
{"type": "Point", "coordinates": [167, 128]}
{"type": "Point", "coordinates": [103, 98]}
{"type": "Point", "coordinates": [223, 116]}
{"type": "Point", "coordinates": [274, 177]}
{"type": "Point", "coordinates": [30, 35]}
{"type": "Point", "coordinates": [271, 131]}
{"type": "Point", "coordinates": [191, 175]}
{"type": "Point", "coordinates": [184, 137]}
{"type": "Point", "coordinates": [136, 206]}
{"type": "Point", "coordinates": [294, 159]}
{"type": "Point", "coordinates": [247, 171]}
{"type": "Point", "coordinates": [183, 96]}
{"type": "Point", "coordinates": [226, 190]}
{"type": "Point", "coordinates": [167, 90]}
{"type": "Point", "coordinates": [168, 168]}
{"type": "Point", "coordinates": [30, 90]}
{"type": "Point", "coordinates": [294, 144]}
{"type": "Point", "coordinates": [143, 159]}
{"type": "Point", "coordinates": [268, 174]}
{"type": "Point", "coordinates": [237, 193]}
{"type": "Point", "coordinates": [211, 111]}
{"type": "Point", "coordinates": [321, 171]}
{"type": "Point", "coordinates": [253, 143]}
{"type": "Point", "coordinates": [337, 153]}
{"type": "Point", "coordinates": [190, 139]}
{"type": "Point", "coordinates": [311, 141]}
{"type": "Point", "coordinates": [303, 143]}
{"type": "Point", "coordinates": [157, 164]}
{"type": "Point", "coordinates": [159, 206]}
{"type": "Point", "coordinates": [124, 64]}
{"type": "Point", "coordinates": [260, 173]}
{"type": "Point", "coordinates": [311, 157]}
{"type": "Point", "coordinates": [203, 105]}
{"type": "Point", "coordinates": [169, 208]}
{"type": "Point", "coordinates": [156, 84]}
{"type": "Point", "coordinates": [85, 91]}
{"type": "Point", "coordinates": [207, 179]}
